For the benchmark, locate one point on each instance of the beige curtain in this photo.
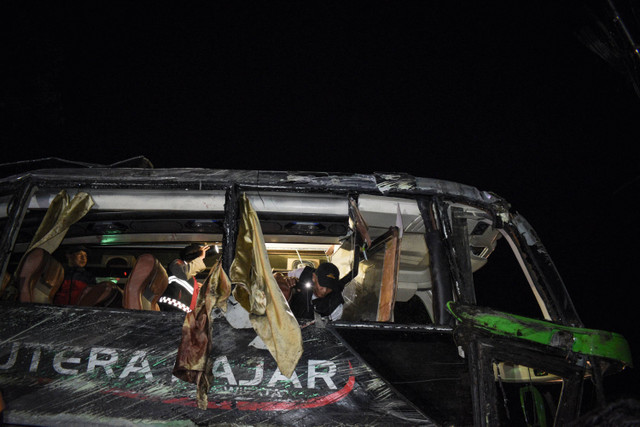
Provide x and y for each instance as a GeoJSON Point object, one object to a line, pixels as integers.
{"type": "Point", "coordinates": [193, 363]}
{"type": "Point", "coordinates": [61, 215]}
{"type": "Point", "coordinates": [258, 293]}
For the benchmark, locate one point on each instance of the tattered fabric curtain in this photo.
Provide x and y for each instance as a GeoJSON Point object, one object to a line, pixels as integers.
{"type": "Point", "coordinates": [61, 215]}
{"type": "Point", "coordinates": [257, 292]}
{"type": "Point", "coordinates": [193, 363]}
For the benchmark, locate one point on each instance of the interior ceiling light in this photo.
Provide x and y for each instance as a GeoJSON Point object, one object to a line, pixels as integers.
{"type": "Point", "coordinates": [108, 227]}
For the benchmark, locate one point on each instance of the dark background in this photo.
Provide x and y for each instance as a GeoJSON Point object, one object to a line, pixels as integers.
{"type": "Point", "coordinates": [509, 97]}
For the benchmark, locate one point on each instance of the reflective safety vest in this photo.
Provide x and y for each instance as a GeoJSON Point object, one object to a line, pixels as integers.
{"type": "Point", "coordinates": [180, 295]}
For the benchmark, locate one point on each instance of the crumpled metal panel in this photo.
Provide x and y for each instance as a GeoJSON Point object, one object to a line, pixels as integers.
{"type": "Point", "coordinates": [440, 187]}
{"type": "Point", "coordinates": [80, 366]}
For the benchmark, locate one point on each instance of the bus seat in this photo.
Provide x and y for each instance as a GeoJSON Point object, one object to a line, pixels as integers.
{"type": "Point", "coordinates": [100, 295]}
{"type": "Point", "coordinates": [39, 277]}
{"type": "Point", "coordinates": [147, 282]}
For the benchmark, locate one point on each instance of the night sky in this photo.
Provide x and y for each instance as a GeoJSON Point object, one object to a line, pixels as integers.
{"type": "Point", "coordinates": [504, 96]}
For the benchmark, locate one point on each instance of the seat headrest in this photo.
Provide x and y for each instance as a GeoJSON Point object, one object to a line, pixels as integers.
{"type": "Point", "coordinates": [100, 295]}
{"type": "Point", "coordinates": [147, 282]}
{"type": "Point", "coordinates": [39, 277]}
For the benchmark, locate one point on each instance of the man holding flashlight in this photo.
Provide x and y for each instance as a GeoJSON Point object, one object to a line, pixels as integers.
{"type": "Point", "coordinates": [313, 292]}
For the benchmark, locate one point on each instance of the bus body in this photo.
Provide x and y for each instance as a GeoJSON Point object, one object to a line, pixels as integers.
{"type": "Point", "coordinates": [454, 313]}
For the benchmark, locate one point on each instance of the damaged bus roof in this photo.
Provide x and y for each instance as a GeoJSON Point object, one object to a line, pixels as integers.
{"type": "Point", "coordinates": [383, 183]}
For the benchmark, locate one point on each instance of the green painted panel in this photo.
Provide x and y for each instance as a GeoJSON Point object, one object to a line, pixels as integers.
{"type": "Point", "coordinates": [591, 342]}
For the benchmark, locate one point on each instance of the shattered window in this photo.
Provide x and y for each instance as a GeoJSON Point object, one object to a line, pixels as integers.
{"type": "Point", "coordinates": [119, 228]}
{"type": "Point", "coordinates": [365, 294]}
{"type": "Point", "coordinates": [498, 278]}
{"type": "Point", "coordinates": [502, 285]}
{"type": "Point", "coordinates": [299, 229]}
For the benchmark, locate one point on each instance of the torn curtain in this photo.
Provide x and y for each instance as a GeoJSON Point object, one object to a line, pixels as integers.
{"type": "Point", "coordinates": [193, 363]}
{"type": "Point", "coordinates": [258, 293]}
{"type": "Point", "coordinates": [61, 215]}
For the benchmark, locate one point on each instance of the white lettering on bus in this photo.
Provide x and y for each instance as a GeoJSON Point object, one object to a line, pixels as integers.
{"type": "Point", "coordinates": [60, 358]}
{"type": "Point", "coordinates": [35, 358]}
{"type": "Point", "coordinates": [106, 364]}
{"type": "Point", "coordinates": [227, 373]}
{"type": "Point", "coordinates": [143, 368]}
{"type": "Point", "coordinates": [257, 378]}
{"type": "Point", "coordinates": [326, 376]}
{"type": "Point", "coordinates": [278, 376]}
{"type": "Point", "coordinates": [12, 357]}
{"type": "Point", "coordinates": [67, 361]}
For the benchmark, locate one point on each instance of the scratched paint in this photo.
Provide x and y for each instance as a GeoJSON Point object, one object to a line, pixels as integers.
{"type": "Point", "coordinates": [87, 364]}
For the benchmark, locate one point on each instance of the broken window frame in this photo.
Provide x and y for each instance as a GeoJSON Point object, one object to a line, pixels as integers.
{"type": "Point", "coordinates": [536, 265]}
{"type": "Point", "coordinates": [449, 282]}
{"type": "Point", "coordinates": [21, 196]}
{"type": "Point", "coordinates": [490, 337]}
{"type": "Point", "coordinates": [483, 350]}
{"type": "Point", "coordinates": [544, 279]}
{"type": "Point", "coordinates": [390, 243]}
{"type": "Point", "coordinates": [439, 256]}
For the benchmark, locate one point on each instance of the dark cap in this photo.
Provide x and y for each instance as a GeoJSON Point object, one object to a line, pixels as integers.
{"type": "Point", "coordinates": [75, 249]}
{"type": "Point", "coordinates": [329, 276]}
{"type": "Point", "coordinates": [190, 252]}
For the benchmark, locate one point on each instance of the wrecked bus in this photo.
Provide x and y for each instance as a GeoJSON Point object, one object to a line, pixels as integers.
{"type": "Point", "coordinates": [454, 313]}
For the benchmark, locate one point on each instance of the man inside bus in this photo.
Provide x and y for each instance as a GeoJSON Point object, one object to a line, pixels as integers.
{"type": "Point", "coordinates": [182, 291]}
{"type": "Point", "coordinates": [313, 292]}
{"type": "Point", "coordinates": [76, 277]}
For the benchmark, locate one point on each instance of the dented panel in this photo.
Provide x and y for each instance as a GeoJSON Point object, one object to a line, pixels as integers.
{"type": "Point", "coordinates": [107, 366]}
{"type": "Point", "coordinates": [589, 342]}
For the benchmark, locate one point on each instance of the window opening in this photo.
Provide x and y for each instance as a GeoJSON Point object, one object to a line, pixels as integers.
{"type": "Point", "coordinates": [499, 277]}
{"type": "Point", "coordinates": [412, 300]}
{"type": "Point", "coordinates": [526, 400]}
